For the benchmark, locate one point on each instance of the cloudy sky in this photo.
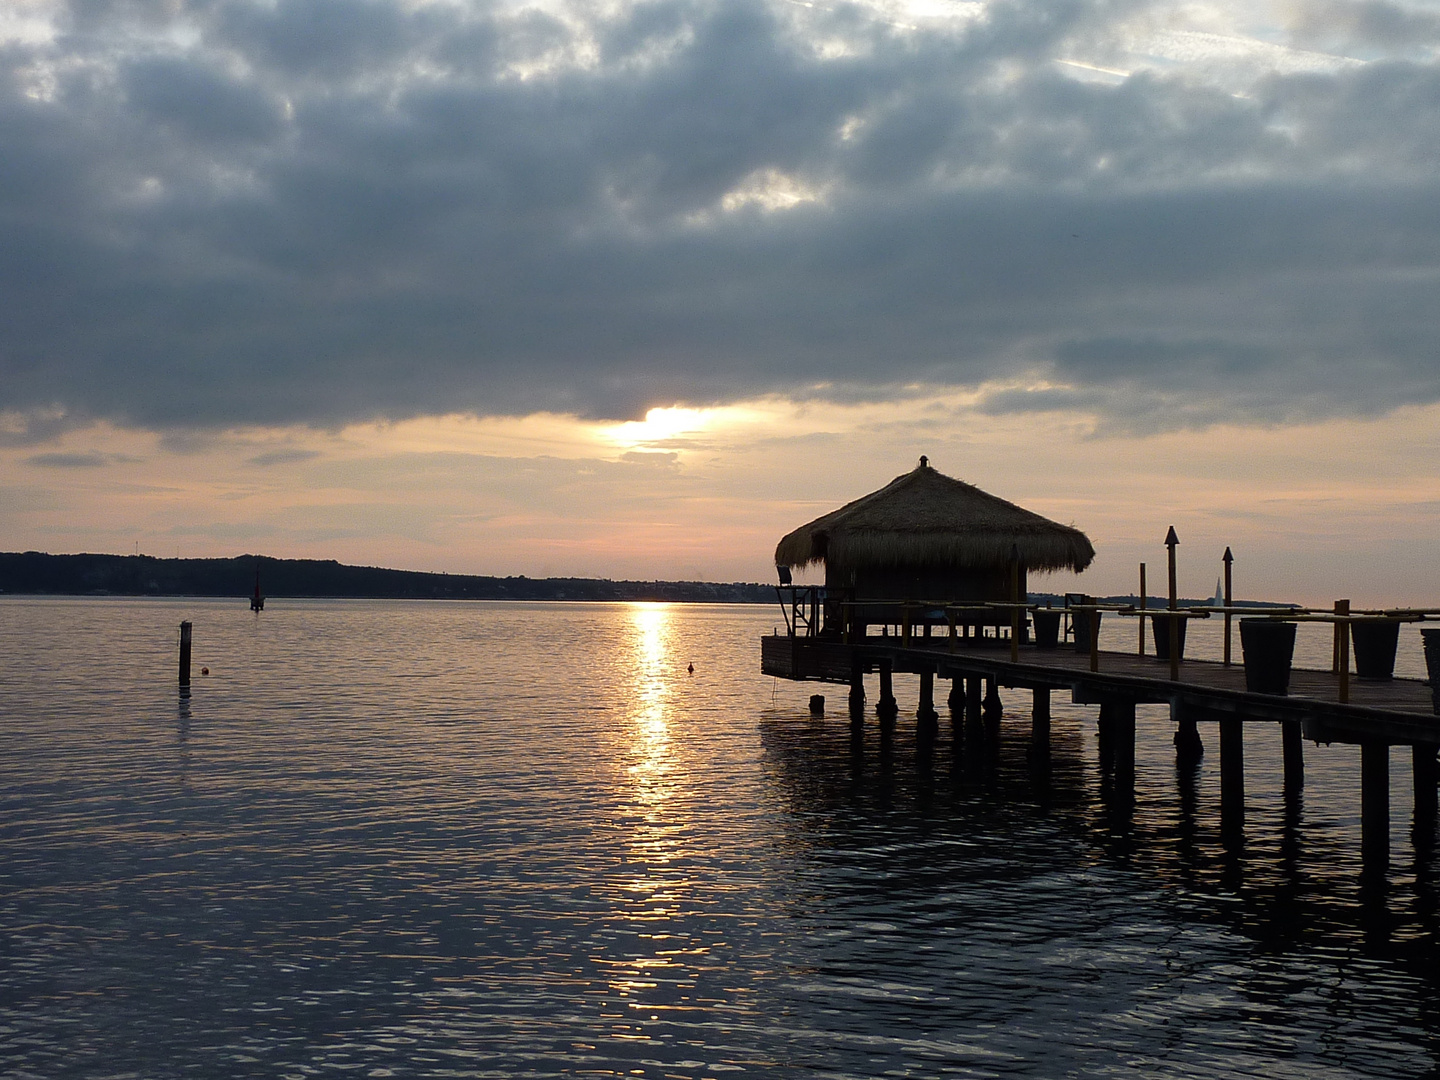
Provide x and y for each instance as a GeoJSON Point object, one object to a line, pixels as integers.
{"type": "Point", "coordinates": [630, 289]}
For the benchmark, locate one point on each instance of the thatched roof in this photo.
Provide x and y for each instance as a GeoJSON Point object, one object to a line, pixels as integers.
{"type": "Point", "coordinates": [925, 517]}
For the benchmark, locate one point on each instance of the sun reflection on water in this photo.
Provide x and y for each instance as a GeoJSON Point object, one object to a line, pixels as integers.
{"type": "Point", "coordinates": [653, 979]}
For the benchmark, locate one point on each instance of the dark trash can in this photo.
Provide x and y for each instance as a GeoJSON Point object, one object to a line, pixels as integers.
{"type": "Point", "coordinates": [1268, 646]}
{"type": "Point", "coordinates": [1375, 641]}
{"type": "Point", "coordinates": [1080, 625]}
{"type": "Point", "coordinates": [1432, 664]}
{"type": "Point", "coordinates": [1047, 627]}
{"type": "Point", "coordinates": [1168, 628]}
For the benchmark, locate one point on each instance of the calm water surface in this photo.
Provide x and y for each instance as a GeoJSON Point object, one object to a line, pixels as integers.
{"type": "Point", "coordinates": [460, 840]}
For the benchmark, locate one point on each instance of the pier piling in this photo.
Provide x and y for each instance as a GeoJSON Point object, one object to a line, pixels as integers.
{"type": "Point", "coordinates": [925, 712]}
{"type": "Point", "coordinates": [1293, 749]}
{"type": "Point", "coordinates": [886, 708]}
{"type": "Point", "coordinates": [1232, 774]}
{"type": "Point", "coordinates": [1427, 776]}
{"type": "Point", "coordinates": [1040, 717]}
{"type": "Point", "coordinates": [1122, 742]}
{"type": "Point", "coordinates": [1375, 804]}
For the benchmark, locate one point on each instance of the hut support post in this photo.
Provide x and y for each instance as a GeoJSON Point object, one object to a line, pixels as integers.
{"type": "Point", "coordinates": [1188, 747]}
{"type": "Point", "coordinates": [1427, 776]}
{"type": "Point", "coordinates": [1375, 804]}
{"type": "Point", "coordinates": [185, 655]}
{"type": "Point", "coordinates": [1232, 774]}
{"type": "Point", "coordinates": [1294, 752]}
{"type": "Point", "coordinates": [1095, 640]}
{"type": "Point", "coordinates": [956, 698]}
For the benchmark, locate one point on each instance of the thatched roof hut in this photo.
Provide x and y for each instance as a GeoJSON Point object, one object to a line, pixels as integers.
{"type": "Point", "coordinates": [927, 531]}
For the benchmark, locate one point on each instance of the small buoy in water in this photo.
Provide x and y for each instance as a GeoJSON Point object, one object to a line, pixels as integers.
{"type": "Point", "coordinates": [691, 669]}
{"type": "Point", "coordinates": [817, 704]}
{"type": "Point", "coordinates": [204, 671]}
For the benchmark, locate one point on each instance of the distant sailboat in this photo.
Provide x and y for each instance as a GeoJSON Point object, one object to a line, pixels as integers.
{"type": "Point", "coordinates": [257, 602]}
{"type": "Point", "coordinates": [1219, 600]}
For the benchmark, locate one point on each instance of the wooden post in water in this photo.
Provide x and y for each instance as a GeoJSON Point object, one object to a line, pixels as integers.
{"type": "Point", "coordinates": [185, 655]}
{"type": "Point", "coordinates": [1232, 774]}
{"type": "Point", "coordinates": [1293, 741]}
{"type": "Point", "coordinates": [1095, 640]}
{"type": "Point", "coordinates": [1143, 603]}
{"type": "Point", "coordinates": [1171, 543]}
{"type": "Point", "coordinates": [1227, 559]}
{"type": "Point", "coordinates": [1342, 648]}
{"type": "Point", "coordinates": [1375, 805]}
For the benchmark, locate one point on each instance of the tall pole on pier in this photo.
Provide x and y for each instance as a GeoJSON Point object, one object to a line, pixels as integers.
{"type": "Point", "coordinates": [1171, 543]}
{"type": "Point", "coordinates": [1015, 614]}
{"type": "Point", "coordinates": [1227, 559]}
{"type": "Point", "coordinates": [1142, 609]}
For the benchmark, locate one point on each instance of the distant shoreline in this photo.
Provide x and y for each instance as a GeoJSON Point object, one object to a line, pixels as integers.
{"type": "Point", "coordinates": [35, 573]}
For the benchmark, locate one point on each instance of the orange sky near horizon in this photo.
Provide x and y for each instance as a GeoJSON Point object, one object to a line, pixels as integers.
{"type": "Point", "coordinates": [1312, 511]}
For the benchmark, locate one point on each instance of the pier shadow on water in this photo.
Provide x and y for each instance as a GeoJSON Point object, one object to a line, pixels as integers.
{"type": "Point", "coordinates": [973, 848]}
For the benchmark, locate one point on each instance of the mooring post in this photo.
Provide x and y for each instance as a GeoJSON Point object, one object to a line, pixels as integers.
{"type": "Point", "coordinates": [1293, 746]}
{"type": "Point", "coordinates": [185, 655]}
{"type": "Point", "coordinates": [1188, 747]}
{"type": "Point", "coordinates": [1375, 804]}
{"type": "Point", "coordinates": [1143, 603]}
{"type": "Point", "coordinates": [886, 708]}
{"type": "Point", "coordinates": [1232, 773]}
{"type": "Point", "coordinates": [1227, 559]}
{"type": "Point", "coordinates": [1171, 543]}
{"type": "Point", "coordinates": [1427, 776]}
{"type": "Point", "coordinates": [1105, 743]}
{"type": "Point", "coordinates": [1342, 648]}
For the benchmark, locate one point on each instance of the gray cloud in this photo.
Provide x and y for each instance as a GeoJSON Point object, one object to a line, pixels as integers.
{"type": "Point", "coordinates": [68, 461]}
{"type": "Point", "coordinates": [282, 457]}
{"type": "Point", "coordinates": [316, 212]}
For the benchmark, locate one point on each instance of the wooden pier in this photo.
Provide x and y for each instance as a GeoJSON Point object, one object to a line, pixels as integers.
{"type": "Point", "coordinates": [1376, 716]}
